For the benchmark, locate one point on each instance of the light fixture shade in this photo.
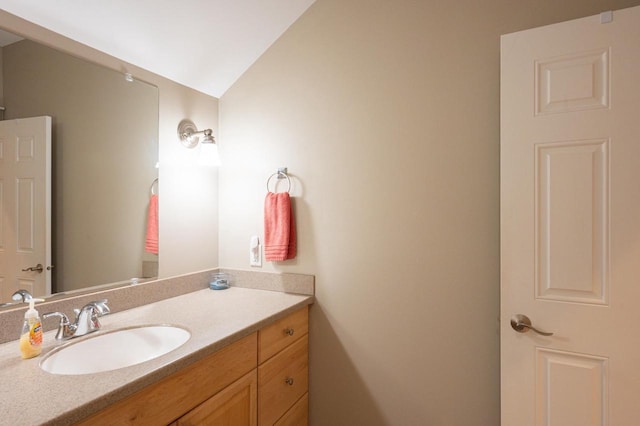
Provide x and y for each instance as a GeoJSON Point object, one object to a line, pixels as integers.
{"type": "Point", "coordinates": [209, 154]}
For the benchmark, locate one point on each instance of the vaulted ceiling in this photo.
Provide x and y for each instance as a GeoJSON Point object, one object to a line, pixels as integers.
{"type": "Point", "coordinates": [203, 44]}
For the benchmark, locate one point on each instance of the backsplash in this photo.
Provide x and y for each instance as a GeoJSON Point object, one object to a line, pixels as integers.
{"type": "Point", "coordinates": [123, 298]}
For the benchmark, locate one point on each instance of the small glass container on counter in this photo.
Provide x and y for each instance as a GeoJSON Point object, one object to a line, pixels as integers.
{"type": "Point", "coordinates": [220, 281]}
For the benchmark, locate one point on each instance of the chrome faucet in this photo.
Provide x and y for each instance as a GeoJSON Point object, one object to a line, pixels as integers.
{"type": "Point", "coordinates": [21, 296]}
{"type": "Point", "coordinates": [86, 320]}
{"type": "Point", "coordinates": [87, 317]}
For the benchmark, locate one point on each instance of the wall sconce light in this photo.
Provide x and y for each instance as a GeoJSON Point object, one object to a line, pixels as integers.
{"type": "Point", "coordinates": [190, 137]}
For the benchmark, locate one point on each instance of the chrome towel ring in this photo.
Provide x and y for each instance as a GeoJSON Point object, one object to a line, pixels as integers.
{"type": "Point", "coordinates": [153, 185]}
{"type": "Point", "coordinates": [280, 174]}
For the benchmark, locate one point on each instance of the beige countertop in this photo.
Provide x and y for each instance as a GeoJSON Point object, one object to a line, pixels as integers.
{"type": "Point", "coordinates": [30, 396]}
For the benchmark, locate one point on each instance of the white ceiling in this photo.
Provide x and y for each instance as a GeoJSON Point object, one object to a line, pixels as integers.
{"type": "Point", "coordinates": [203, 44]}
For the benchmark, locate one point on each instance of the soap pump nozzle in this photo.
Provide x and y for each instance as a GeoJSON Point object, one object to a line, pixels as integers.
{"type": "Point", "coordinates": [31, 312]}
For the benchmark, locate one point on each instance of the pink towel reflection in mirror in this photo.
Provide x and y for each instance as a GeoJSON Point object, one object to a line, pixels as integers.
{"type": "Point", "coordinates": [151, 242]}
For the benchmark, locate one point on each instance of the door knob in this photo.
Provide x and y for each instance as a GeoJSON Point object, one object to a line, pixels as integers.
{"type": "Point", "coordinates": [38, 268]}
{"type": "Point", "coordinates": [522, 324]}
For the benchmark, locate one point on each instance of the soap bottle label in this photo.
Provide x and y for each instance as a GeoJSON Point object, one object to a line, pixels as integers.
{"type": "Point", "coordinates": [31, 339]}
{"type": "Point", "coordinates": [35, 334]}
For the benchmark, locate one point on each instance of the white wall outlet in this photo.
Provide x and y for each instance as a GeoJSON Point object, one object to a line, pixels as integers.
{"type": "Point", "coordinates": [255, 251]}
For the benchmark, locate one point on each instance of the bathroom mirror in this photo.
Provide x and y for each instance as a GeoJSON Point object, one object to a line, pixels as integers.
{"type": "Point", "coordinates": [104, 157]}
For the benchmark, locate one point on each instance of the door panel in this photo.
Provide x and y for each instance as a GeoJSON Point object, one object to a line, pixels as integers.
{"type": "Point", "coordinates": [25, 211]}
{"type": "Point", "coordinates": [570, 222]}
{"type": "Point", "coordinates": [574, 387]}
{"type": "Point", "coordinates": [572, 82]}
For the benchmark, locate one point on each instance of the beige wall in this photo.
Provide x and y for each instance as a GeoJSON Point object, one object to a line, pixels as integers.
{"type": "Point", "coordinates": [188, 194]}
{"type": "Point", "coordinates": [387, 115]}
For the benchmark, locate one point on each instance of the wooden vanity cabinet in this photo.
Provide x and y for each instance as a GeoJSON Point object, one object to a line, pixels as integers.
{"type": "Point", "coordinates": [223, 375]}
{"type": "Point", "coordinates": [283, 371]}
{"type": "Point", "coordinates": [262, 379]}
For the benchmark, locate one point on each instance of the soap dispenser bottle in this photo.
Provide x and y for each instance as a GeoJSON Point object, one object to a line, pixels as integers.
{"type": "Point", "coordinates": [31, 336]}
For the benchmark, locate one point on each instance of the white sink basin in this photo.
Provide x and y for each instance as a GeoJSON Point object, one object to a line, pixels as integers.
{"type": "Point", "coordinates": [114, 349]}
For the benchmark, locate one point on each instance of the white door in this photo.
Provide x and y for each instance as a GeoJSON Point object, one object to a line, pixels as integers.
{"type": "Point", "coordinates": [25, 201]}
{"type": "Point", "coordinates": [570, 222]}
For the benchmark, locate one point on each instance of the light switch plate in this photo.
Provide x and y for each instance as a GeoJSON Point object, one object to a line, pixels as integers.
{"type": "Point", "coordinates": [255, 251]}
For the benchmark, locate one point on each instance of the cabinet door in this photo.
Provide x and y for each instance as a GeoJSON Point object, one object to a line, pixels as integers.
{"type": "Point", "coordinates": [298, 415]}
{"type": "Point", "coordinates": [282, 380]}
{"type": "Point", "coordinates": [235, 405]}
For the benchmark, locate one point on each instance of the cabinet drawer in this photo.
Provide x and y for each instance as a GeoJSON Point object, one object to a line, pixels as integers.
{"type": "Point", "coordinates": [277, 336]}
{"type": "Point", "coordinates": [282, 380]}
{"type": "Point", "coordinates": [298, 415]}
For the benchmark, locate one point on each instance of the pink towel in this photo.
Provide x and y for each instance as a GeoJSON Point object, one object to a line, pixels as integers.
{"type": "Point", "coordinates": [279, 228]}
{"type": "Point", "coordinates": [151, 243]}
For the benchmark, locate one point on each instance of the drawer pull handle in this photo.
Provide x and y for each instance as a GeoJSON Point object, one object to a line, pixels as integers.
{"type": "Point", "coordinates": [289, 381]}
{"type": "Point", "coordinates": [288, 331]}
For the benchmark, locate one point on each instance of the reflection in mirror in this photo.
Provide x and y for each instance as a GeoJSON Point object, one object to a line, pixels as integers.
{"type": "Point", "coordinates": [104, 146]}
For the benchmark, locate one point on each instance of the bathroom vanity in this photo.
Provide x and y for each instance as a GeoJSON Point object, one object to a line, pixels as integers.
{"type": "Point", "coordinates": [229, 387]}
{"type": "Point", "coordinates": [246, 362]}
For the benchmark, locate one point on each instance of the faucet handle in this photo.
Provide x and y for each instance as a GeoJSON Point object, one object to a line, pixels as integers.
{"type": "Point", "coordinates": [101, 307]}
{"type": "Point", "coordinates": [64, 319]}
{"type": "Point", "coordinates": [65, 329]}
{"type": "Point", "coordinates": [97, 307]}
